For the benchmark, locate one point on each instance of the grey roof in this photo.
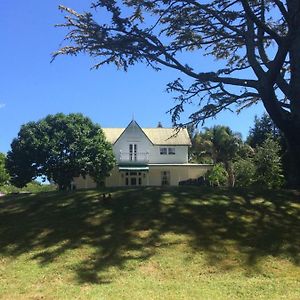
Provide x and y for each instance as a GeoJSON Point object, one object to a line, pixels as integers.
{"type": "Point", "coordinates": [158, 136]}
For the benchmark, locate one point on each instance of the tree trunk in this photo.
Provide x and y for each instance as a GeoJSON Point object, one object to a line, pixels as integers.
{"type": "Point", "coordinates": [230, 172]}
{"type": "Point", "coordinates": [292, 135]}
{"type": "Point", "coordinates": [293, 159]}
{"type": "Point", "coordinates": [288, 122]}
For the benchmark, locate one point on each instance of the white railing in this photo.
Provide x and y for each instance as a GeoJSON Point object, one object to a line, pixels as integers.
{"type": "Point", "coordinates": [133, 157]}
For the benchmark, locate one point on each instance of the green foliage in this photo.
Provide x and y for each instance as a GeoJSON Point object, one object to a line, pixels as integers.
{"type": "Point", "coordinates": [244, 171]}
{"type": "Point", "coordinates": [4, 176]}
{"type": "Point", "coordinates": [218, 175]}
{"type": "Point", "coordinates": [216, 144]}
{"type": "Point", "coordinates": [31, 187]}
{"type": "Point", "coordinates": [59, 148]}
{"type": "Point", "coordinates": [268, 165]}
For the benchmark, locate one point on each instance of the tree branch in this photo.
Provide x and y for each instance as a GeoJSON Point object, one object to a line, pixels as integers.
{"type": "Point", "coordinates": [259, 23]}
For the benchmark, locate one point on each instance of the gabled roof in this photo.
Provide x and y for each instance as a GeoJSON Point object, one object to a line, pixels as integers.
{"type": "Point", "coordinates": [112, 134]}
{"type": "Point", "coordinates": [168, 136]}
{"type": "Point", "coordinates": [158, 136]}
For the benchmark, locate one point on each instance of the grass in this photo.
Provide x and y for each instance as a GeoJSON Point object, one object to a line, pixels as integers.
{"type": "Point", "coordinates": [151, 243]}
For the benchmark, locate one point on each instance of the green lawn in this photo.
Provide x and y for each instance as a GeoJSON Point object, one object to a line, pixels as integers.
{"type": "Point", "coordinates": [151, 243]}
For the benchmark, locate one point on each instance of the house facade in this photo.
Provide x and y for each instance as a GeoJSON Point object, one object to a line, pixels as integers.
{"type": "Point", "coordinates": [148, 157]}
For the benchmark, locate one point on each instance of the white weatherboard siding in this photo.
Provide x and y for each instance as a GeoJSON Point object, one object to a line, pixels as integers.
{"type": "Point", "coordinates": [140, 161]}
{"type": "Point", "coordinates": [153, 177]}
{"type": "Point", "coordinates": [180, 156]}
{"type": "Point", "coordinates": [145, 148]}
{"type": "Point", "coordinates": [132, 135]}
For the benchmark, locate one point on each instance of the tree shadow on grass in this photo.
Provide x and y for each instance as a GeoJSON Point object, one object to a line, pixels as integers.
{"type": "Point", "coordinates": [131, 226]}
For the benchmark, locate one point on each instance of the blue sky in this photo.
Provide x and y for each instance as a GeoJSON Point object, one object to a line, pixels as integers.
{"type": "Point", "coordinates": [31, 87]}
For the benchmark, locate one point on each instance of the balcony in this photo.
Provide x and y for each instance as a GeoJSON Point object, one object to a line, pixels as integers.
{"type": "Point", "coordinates": [133, 158]}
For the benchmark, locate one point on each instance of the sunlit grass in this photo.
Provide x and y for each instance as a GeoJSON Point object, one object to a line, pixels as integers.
{"type": "Point", "coordinates": [151, 243]}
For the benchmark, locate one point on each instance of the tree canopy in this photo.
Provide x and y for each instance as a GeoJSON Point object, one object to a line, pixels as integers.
{"type": "Point", "coordinates": [59, 148]}
{"type": "Point", "coordinates": [258, 42]}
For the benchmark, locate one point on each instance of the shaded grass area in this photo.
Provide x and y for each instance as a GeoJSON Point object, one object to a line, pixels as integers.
{"type": "Point", "coordinates": [153, 243]}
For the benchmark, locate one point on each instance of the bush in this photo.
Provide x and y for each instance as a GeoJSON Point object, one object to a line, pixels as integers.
{"type": "Point", "coordinates": [32, 187]}
{"type": "Point", "coordinates": [217, 176]}
{"type": "Point", "coordinates": [244, 170]}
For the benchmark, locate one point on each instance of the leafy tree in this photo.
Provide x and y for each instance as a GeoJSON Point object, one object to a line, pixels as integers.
{"type": "Point", "coordinates": [268, 165]}
{"type": "Point", "coordinates": [59, 148]}
{"type": "Point", "coordinates": [4, 176]}
{"type": "Point", "coordinates": [217, 176]}
{"type": "Point", "coordinates": [257, 41]}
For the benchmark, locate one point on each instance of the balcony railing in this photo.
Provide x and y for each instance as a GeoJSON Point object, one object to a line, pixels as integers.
{"type": "Point", "coordinates": [134, 157]}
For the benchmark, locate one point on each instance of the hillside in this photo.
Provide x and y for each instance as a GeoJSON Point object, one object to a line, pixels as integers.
{"type": "Point", "coordinates": [150, 243]}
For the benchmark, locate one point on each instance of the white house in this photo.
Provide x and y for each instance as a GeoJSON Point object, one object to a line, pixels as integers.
{"type": "Point", "coordinates": [148, 157]}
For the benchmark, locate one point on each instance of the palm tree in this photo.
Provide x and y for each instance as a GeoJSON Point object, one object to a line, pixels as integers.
{"type": "Point", "coordinates": [218, 144]}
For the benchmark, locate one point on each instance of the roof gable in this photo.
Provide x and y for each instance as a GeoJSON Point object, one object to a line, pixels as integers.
{"type": "Point", "coordinates": [157, 136]}
{"type": "Point", "coordinates": [132, 127]}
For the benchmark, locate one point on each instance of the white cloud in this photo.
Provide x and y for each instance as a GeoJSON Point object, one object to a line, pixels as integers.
{"type": "Point", "coordinates": [2, 105]}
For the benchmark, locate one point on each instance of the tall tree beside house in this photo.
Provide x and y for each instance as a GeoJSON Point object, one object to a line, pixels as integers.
{"type": "Point", "coordinates": [257, 44]}
{"type": "Point", "coordinates": [263, 129]}
{"type": "Point", "coordinates": [59, 148]}
{"type": "Point", "coordinates": [4, 176]}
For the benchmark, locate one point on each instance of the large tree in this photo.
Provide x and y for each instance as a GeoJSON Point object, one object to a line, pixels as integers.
{"type": "Point", "coordinates": [258, 42]}
{"type": "Point", "coordinates": [59, 148]}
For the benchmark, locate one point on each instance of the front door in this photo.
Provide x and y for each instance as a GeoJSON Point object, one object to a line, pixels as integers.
{"type": "Point", "coordinates": [133, 178]}
{"type": "Point", "coordinates": [133, 181]}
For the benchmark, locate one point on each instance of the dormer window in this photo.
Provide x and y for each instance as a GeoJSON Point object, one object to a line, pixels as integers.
{"type": "Point", "coordinates": [163, 151]}
{"type": "Point", "coordinates": [171, 151]}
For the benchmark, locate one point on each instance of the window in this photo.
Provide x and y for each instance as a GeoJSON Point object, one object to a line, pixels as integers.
{"type": "Point", "coordinates": [163, 151]}
{"type": "Point", "coordinates": [171, 151]}
{"type": "Point", "coordinates": [132, 152]}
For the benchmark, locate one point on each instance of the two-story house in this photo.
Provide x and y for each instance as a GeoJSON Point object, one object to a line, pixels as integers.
{"type": "Point", "coordinates": [148, 157]}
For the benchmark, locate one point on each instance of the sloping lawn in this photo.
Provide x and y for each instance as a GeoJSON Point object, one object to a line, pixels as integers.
{"type": "Point", "coordinates": [151, 243]}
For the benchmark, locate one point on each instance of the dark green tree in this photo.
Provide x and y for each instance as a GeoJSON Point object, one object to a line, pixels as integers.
{"type": "Point", "coordinates": [269, 172]}
{"type": "Point", "coordinates": [4, 176]}
{"type": "Point", "coordinates": [264, 128]}
{"type": "Point", "coordinates": [59, 148]}
{"type": "Point", "coordinates": [258, 42]}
